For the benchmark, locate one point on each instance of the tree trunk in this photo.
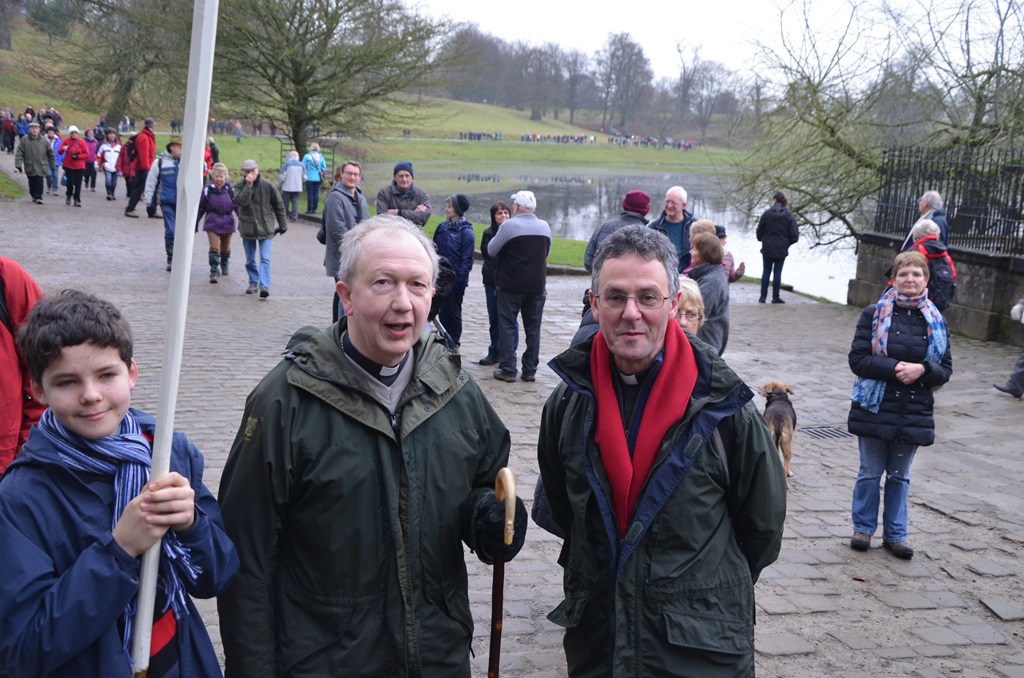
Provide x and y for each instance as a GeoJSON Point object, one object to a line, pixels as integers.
{"type": "Point", "coordinates": [120, 97]}
{"type": "Point", "coordinates": [572, 115]}
{"type": "Point", "coordinates": [6, 16]}
{"type": "Point", "coordinates": [535, 113]}
{"type": "Point", "coordinates": [298, 129]}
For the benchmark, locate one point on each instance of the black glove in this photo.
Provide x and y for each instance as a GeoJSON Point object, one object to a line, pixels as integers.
{"type": "Point", "coordinates": [280, 230]}
{"type": "Point", "coordinates": [490, 530]}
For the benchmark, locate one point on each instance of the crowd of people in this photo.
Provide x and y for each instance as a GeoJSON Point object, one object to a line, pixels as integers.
{"type": "Point", "coordinates": [655, 467]}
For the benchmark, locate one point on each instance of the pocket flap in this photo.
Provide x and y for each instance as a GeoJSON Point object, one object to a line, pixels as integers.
{"type": "Point", "coordinates": [569, 612]}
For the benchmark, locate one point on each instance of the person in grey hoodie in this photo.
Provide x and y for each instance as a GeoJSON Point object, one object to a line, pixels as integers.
{"type": "Point", "coordinates": [344, 208]}
{"type": "Point", "coordinates": [292, 176]}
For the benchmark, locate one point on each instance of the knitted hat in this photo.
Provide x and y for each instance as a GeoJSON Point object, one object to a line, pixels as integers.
{"type": "Point", "coordinates": [637, 201]}
{"type": "Point", "coordinates": [460, 203]}
{"type": "Point", "coordinates": [720, 231]}
{"type": "Point", "coordinates": [73, 130]}
{"type": "Point", "coordinates": [407, 166]}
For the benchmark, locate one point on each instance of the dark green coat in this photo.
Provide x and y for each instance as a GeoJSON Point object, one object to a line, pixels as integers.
{"type": "Point", "coordinates": [259, 206]}
{"type": "Point", "coordinates": [35, 156]}
{"type": "Point", "coordinates": [676, 596]}
{"type": "Point", "coordinates": [349, 523]}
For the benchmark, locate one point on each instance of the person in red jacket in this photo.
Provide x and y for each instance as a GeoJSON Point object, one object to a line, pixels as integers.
{"type": "Point", "coordinates": [76, 154]}
{"type": "Point", "coordinates": [145, 152]}
{"type": "Point", "coordinates": [19, 410]}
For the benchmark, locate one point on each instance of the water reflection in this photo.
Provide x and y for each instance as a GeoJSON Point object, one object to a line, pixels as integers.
{"type": "Point", "coordinates": [576, 201]}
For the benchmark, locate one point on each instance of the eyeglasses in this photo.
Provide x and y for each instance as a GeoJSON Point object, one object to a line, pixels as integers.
{"type": "Point", "coordinates": [691, 316]}
{"type": "Point", "coordinates": [649, 300]}
{"type": "Point", "coordinates": [350, 174]}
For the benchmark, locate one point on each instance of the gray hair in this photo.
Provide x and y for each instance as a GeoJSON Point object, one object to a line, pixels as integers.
{"type": "Point", "coordinates": [352, 243]}
{"type": "Point", "coordinates": [679, 191]}
{"type": "Point", "coordinates": [933, 199]}
{"type": "Point", "coordinates": [922, 228]}
{"type": "Point", "coordinates": [644, 242]}
{"type": "Point", "coordinates": [293, 155]}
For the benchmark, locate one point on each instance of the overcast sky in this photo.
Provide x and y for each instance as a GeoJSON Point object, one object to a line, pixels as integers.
{"type": "Point", "coordinates": [725, 29]}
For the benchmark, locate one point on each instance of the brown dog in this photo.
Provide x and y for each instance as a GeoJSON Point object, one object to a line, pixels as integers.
{"type": "Point", "coordinates": [781, 419]}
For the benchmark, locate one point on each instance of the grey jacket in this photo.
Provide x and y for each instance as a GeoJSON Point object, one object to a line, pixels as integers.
{"type": "Point", "coordinates": [259, 204]}
{"type": "Point", "coordinates": [35, 156]}
{"type": "Point", "coordinates": [714, 290]}
{"type": "Point", "coordinates": [340, 217]}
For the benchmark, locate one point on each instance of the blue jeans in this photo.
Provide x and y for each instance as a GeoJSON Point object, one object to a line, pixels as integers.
{"type": "Point", "coordinates": [510, 305]}
{"type": "Point", "coordinates": [168, 210]}
{"type": "Point", "coordinates": [491, 294]}
{"type": "Point", "coordinates": [257, 275]}
{"type": "Point", "coordinates": [312, 196]}
{"type": "Point", "coordinates": [894, 459]}
{"type": "Point", "coordinates": [52, 178]}
{"type": "Point", "coordinates": [111, 182]}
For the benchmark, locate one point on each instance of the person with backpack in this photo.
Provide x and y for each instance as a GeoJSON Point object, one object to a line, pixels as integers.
{"type": "Point", "coordinates": [144, 145]}
{"type": "Point", "coordinates": [127, 161]}
{"type": "Point", "coordinates": [217, 204]}
{"type": "Point", "coordinates": [926, 239]}
{"type": "Point", "coordinates": [162, 188]}
{"type": "Point", "coordinates": [665, 520]}
{"type": "Point", "coordinates": [76, 157]}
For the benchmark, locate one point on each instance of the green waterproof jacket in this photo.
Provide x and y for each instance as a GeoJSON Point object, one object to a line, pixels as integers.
{"type": "Point", "coordinates": [349, 521]}
{"type": "Point", "coordinates": [259, 206]}
{"type": "Point", "coordinates": [676, 595]}
{"type": "Point", "coordinates": [35, 156]}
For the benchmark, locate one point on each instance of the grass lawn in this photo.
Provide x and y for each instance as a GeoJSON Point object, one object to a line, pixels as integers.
{"type": "Point", "coordinates": [8, 189]}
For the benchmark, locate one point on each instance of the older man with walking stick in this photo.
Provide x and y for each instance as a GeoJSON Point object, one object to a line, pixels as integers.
{"type": "Point", "coordinates": [363, 462]}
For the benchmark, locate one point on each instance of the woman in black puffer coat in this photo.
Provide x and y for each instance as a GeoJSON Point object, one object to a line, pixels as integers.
{"type": "Point", "coordinates": [900, 353]}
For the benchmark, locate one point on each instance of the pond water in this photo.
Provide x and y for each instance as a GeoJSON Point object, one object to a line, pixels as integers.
{"type": "Point", "coordinates": [575, 201]}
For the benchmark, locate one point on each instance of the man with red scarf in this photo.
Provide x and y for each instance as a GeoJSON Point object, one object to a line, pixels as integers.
{"type": "Point", "coordinates": [663, 477]}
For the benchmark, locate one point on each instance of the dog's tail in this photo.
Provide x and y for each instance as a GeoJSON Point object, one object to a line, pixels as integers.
{"type": "Point", "coordinates": [776, 433]}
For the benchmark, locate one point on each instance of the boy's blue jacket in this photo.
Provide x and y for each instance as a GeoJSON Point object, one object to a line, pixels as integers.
{"type": "Point", "coordinates": [64, 582]}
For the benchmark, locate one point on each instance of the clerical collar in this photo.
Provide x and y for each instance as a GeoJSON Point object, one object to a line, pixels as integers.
{"type": "Point", "coordinates": [382, 373]}
{"type": "Point", "coordinates": [633, 379]}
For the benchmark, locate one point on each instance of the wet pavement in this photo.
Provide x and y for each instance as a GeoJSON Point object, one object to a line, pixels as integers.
{"type": "Point", "coordinates": [956, 609]}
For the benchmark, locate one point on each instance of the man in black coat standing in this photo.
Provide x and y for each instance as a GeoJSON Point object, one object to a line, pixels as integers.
{"type": "Point", "coordinates": [776, 231]}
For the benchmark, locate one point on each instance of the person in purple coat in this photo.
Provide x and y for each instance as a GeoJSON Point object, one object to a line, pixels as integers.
{"type": "Point", "coordinates": [218, 204]}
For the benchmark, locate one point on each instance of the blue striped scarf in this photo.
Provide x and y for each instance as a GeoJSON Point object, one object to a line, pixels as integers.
{"type": "Point", "coordinates": [128, 458]}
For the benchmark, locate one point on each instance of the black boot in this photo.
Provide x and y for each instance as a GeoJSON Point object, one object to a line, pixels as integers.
{"type": "Point", "coordinates": [214, 265]}
{"type": "Point", "coordinates": [170, 255]}
{"type": "Point", "coordinates": [224, 256]}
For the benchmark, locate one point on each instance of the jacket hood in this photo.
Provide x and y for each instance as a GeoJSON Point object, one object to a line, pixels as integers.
{"type": "Point", "coordinates": [932, 245]}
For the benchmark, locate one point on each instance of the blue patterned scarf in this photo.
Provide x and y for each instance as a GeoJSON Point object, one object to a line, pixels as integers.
{"type": "Point", "coordinates": [868, 392]}
{"type": "Point", "coordinates": [127, 457]}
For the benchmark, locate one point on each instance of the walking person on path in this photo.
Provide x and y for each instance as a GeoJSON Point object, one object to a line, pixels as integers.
{"type": "Point", "coordinates": [53, 178]}
{"type": "Point", "coordinates": [217, 204]}
{"type": "Point", "coordinates": [144, 155]}
{"type": "Point", "coordinates": [162, 189]}
{"type": "Point", "coordinates": [1014, 385]}
{"type": "Point", "coordinates": [89, 180]}
{"type": "Point", "coordinates": [107, 156]}
{"type": "Point", "coordinates": [776, 231]}
{"type": "Point", "coordinates": [35, 157]}
{"type": "Point", "coordinates": [292, 174]}
{"type": "Point", "coordinates": [259, 205]}
{"type": "Point", "coordinates": [900, 355]}
{"type": "Point", "coordinates": [76, 156]}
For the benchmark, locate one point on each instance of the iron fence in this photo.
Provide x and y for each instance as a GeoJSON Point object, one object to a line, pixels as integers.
{"type": "Point", "coordinates": [983, 192]}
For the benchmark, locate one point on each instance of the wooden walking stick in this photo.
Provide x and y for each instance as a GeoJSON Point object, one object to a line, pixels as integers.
{"type": "Point", "coordinates": [504, 490]}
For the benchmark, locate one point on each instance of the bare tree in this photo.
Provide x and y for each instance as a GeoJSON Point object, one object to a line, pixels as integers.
{"type": "Point", "coordinates": [710, 81]}
{"type": "Point", "coordinates": [335, 65]}
{"type": "Point", "coordinates": [8, 10]}
{"type": "Point", "coordinates": [576, 67]}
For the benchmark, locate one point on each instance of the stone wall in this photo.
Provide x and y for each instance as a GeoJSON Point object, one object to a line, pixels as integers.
{"type": "Point", "coordinates": [987, 286]}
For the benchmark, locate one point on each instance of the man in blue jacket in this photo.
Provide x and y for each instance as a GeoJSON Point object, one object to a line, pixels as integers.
{"type": "Point", "coordinates": [162, 187]}
{"type": "Point", "coordinates": [455, 242]}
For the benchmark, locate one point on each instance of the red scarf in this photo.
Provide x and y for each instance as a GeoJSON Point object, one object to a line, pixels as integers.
{"type": "Point", "coordinates": [668, 398]}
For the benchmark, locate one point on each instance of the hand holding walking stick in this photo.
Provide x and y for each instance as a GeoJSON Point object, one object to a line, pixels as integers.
{"type": "Point", "coordinates": [504, 490]}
